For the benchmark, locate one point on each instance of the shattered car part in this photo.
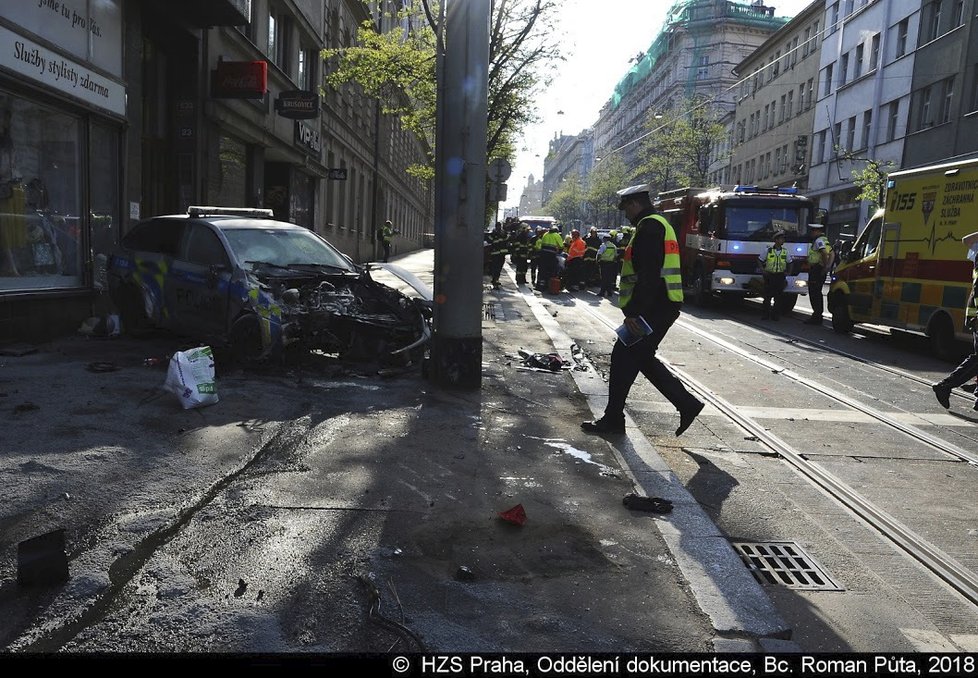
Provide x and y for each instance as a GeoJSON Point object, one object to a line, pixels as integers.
{"type": "Point", "coordinates": [239, 278]}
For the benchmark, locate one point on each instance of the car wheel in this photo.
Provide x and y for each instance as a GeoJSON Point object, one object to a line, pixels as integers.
{"type": "Point", "coordinates": [246, 340]}
{"type": "Point", "coordinates": [839, 307]}
{"type": "Point", "coordinates": [942, 341]}
{"type": "Point", "coordinates": [702, 295]}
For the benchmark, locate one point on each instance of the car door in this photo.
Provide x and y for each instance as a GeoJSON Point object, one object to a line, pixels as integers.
{"type": "Point", "coordinates": [198, 284]}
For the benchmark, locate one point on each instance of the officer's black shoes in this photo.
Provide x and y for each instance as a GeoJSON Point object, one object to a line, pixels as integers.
{"type": "Point", "coordinates": [943, 394]}
{"type": "Point", "coordinates": [814, 321]}
{"type": "Point", "coordinates": [603, 425]}
{"type": "Point", "coordinates": [687, 416]}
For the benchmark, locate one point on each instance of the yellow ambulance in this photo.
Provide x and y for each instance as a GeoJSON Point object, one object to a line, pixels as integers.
{"type": "Point", "coordinates": [908, 269]}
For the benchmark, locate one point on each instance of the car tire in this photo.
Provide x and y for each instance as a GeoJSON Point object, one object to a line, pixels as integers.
{"type": "Point", "coordinates": [839, 308]}
{"type": "Point", "coordinates": [245, 339]}
{"type": "Point", "coordinates": [702, 295]}
{"type": "Point", "coordinates": [942, 340]}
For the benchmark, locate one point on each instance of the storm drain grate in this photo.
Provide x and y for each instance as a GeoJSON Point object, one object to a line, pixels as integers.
{"type": "Point", "coordinates": [489, 310]}
{"type": "Point", "coordinates": [785, 563]}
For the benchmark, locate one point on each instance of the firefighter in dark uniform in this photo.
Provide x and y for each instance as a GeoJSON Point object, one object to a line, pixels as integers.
{"type": "Point", "coordinates": [651, 287]}
{"type": "Point", "coordinates": [520, 257]}
{"type": "Point", "coordinates": [593, 242]}
{"type": "Point", "coordinates": [498, 249]}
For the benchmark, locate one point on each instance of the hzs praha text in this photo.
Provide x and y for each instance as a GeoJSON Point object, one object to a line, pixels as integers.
{"type": "Point", "coordinates": [921, 664]}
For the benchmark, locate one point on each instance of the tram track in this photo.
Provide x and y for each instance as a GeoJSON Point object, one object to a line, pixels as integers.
{"type": "Point", "coordinates": [935, 560]}
{"type": "Point", "coordinates": [853, 357]}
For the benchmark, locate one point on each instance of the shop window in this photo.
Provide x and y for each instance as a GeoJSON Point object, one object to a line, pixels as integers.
{"type": "Point", "coordinates": [41, 241]}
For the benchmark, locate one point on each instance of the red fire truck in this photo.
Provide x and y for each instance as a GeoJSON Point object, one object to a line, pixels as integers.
{"type": "Point", "coordinates": [722, 232]}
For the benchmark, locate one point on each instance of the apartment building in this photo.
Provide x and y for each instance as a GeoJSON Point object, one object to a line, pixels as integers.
{"type": "Point", "coordinates": [863, 100]}
{"type": "Point", "coordinates": [691, 58]}
{"type": "Point", "coordinates": [775, 109]}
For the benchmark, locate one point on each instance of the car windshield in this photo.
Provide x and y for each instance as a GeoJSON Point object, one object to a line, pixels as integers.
{"type": "Point", "coordinates": [750, 222]}
{"type": "Point", "coordinates": [284, 247]}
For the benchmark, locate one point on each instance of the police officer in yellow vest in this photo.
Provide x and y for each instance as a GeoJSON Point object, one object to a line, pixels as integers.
{"type": "Point", "coordinates": [774, 265]}
{"type": "Point", "coordinates": [819, 261]}
{"type": "Point", "coordinates": [968, 369]}
{"type": "Point", "coordinates": [650, 288]}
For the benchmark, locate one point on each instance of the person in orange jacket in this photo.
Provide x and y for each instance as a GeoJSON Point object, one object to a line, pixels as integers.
{"type": "Point", "coordinates": [575, 261]}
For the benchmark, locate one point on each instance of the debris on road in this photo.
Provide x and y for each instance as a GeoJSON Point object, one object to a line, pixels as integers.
{"type": "Point", "coordinates": [464, 573]}
{"type": "Point", "coordinates": [42, 561]}
{"type": "Point", "coordinates": [637, 502]}
{"type": "Point", "coordinates": [515, 515]}
{"type": "Point", "coordinates": [101, 366]}
{"type": "Point", "coordinates": [191, 377]}
{"type": "Point", "coordinates": [547, 362]}
{"type": "Point", "coordinates": [17, 350]}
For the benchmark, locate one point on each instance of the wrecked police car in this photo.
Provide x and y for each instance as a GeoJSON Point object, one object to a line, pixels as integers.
{"type": "Point", "coordinates": [238, 278]}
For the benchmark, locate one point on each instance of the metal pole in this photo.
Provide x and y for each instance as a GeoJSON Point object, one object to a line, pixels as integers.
{"type": "Point", "coordinates": [460, 195]}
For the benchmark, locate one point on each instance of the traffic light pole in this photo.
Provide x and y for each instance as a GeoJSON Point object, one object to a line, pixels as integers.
{"type": "Point", "coordinates": [460, 195]}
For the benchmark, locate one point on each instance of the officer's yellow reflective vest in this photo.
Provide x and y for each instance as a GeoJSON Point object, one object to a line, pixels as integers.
{"type": "Point", "coordinates": [776, 260]}
{"type": "Point", "coordinates": [671, 265]}
{"type": "Point", "coordinates": [815, 251]}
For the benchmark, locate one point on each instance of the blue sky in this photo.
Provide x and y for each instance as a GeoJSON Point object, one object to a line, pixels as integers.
{"type": "Point", "coordinates": [598, 46]}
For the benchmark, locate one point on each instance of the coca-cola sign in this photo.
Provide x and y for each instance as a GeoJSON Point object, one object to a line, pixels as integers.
{"type": "Point", "coordinates": [239, 80]}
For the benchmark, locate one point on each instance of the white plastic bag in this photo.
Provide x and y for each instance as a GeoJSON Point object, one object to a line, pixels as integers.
{"type": "Point", "coordinates": [191, 377]}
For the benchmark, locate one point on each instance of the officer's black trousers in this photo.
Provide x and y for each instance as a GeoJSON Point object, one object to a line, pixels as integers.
{"type": "Point", "coordinates": [967, 370]}
{"type": "Point", "coordinates": [816, 281]}
{"type": "Point", "coordinates": [628, 361]}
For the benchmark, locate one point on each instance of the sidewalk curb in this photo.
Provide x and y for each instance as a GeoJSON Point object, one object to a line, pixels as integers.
{"type": "Point", "coordinates": [724, 589]}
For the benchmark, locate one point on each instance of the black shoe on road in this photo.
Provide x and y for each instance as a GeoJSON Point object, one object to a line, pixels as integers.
{"type": "Point", "coordinates": [602, 425]}
{"type": "Point", "coordinates": [943, 394]}
{"type": "Point", "coordinates": [686, 417]}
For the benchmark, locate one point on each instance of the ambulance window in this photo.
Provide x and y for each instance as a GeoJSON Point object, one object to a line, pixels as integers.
{"type": "Point", "coordinates": [869, 242]}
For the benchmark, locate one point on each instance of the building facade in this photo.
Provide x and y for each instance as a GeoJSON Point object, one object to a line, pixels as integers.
{"type": "Point", "coordinates": [775, 110]}
{"type": "Point", "coordinates": [691, 59]}
{"type": "Point", "coordinates": [863, 101]}
{"type": "Point", "coordinates": [943, 116]}
{"type": "Point", "coordinates": [116, 110]}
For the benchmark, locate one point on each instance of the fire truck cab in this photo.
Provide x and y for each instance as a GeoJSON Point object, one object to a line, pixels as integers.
{"type": "Point", "coordinates": [723, 232]}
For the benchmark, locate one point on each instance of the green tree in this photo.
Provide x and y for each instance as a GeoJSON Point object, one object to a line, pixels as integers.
{"type": "Point", "coordinates": [608, 176]}
{"type": "Point", "coordinates": [397, 67]}
{"type": "Point", "coordinates": [871, 178]}
{"type": "Point", "coordinates": [566, 202]}
{"type": "Point", "coordinates": [681, 146]}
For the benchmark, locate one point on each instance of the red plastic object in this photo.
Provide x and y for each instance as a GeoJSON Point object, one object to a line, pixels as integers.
{"type": "Point", "coordinates": [515, 515]}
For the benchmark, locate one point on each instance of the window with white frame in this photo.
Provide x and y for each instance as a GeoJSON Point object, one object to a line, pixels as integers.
{"type": "Point", "coordinates": [930, 21]}
{"type": "Point", "coordinates": [874, 53]}
{"type": "Point", "coordinates": [819, 155]}
{"type": "Point", "coordinates": [925, 119]}
{"type": "Point", "coordinates": [827, 79]}
{"type": "Point", "coordinates": [867, 127]}
{"type": "Point", "coordinates": [957, 13]}
{"type": "Point", "coordinates": [858, 62]}
{"type": "Point", "coordinates": [902, 35]}
{"type": "Point", "coordinates": [851, 134]}
{"type": "Point", "coordinates": [843, 69]}
{"type": "Point", "coordinates": [947, 96]}
{"type": "Point", "coordinates": [892, 119]}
